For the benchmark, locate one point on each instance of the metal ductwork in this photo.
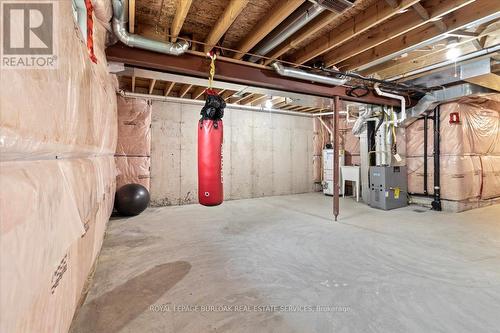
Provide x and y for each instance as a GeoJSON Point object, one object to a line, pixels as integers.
{"type": "Point", "coordinates": [480, 53]}
{"type": "Point", "coordinates": [430, 101]}
{"type": "Point", "coordinates": [120, 22]}
{"type": "Point", "coordinates": [336, 6]}
{"type": "Point", "coordinates": [300, 18]}
{"type": "Point", "coordinates": [303, 75]}
{"type": "Point", "coordinates": [473, 71]}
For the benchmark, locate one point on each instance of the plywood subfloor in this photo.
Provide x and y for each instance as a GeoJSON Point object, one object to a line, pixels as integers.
{"type": "Point", "coordinates": [407, 270]}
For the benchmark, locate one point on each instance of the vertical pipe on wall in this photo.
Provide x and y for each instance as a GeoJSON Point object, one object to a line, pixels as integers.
{"type": "Point", "coordinates": [436, 203]}
{"type": "Point", "coordinates": [425, 154]}
{"type": "Point", "coordinates": [336, 109]}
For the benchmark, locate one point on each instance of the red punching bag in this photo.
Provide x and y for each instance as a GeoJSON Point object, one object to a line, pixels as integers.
{"type": "Point", "coordinates": [210, 135]}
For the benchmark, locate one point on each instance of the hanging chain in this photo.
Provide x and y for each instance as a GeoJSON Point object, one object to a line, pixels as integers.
{"type": "Point", "coordinates": [212, 56]}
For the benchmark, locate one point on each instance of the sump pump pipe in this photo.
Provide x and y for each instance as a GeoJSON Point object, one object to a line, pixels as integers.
{"type": "Point", "coordinates": [402, 99]}
{"type": "Point", "coordinates": [120, 22]}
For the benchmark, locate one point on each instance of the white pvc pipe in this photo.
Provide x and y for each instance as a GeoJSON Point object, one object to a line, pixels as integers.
{"type": "Point", "coordinates": [200, 102]}
{"type": "Point", "coordinates": [390, 95]}
{"type": "Point", "coordinates": [307, 76]}
{"type": "Point", "coordinates": [327, 128]}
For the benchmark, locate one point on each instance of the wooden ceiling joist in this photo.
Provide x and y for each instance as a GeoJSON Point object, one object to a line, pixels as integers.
{"type": "Point", "coordinates": [276, 15]}
{"type": "Point", "coordinates": [425, 60]}
{"type": "Point", "coordinates": [198, 92]}
{"type": "Point", "coordinates": [424, 15]}
{"type": "Point", "coordinates": [369, 18]}
{"type": "Point", "coordinates": [151, 86]}
{"type": "Point", "coordinates": [453, 21]}
{"type": "Point", "coordinates": [421, 11]}
{"type": "Point", "coordinates": [180, 15]}
{"type": "Point", "coordinates": [224, 22]}
{"type": "Point", "coordinates": [289, 107]}
{"type": "Point", "coordinates": [314, 26]}
{"type": "Point", "coordinates": [227, 94]}
{"type": "Point", "coordinates": [280, 101]}
{"type": "Point", "coordinates": [131, 16]}
{"type": "Point", "coordinates": [255, 98]}
{"type": "Point", "coordinates": [250, 98]}
{"type": "Point", "coordinates": [184, 90]}
{"type": "Point", "coordinates": [393, 28]}
{"type": "Point", "coordinates": [243, 97]}
{"type": "Point", "coordinates": [168, 88]}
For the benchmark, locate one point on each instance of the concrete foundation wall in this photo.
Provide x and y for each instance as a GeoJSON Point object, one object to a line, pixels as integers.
{"type": "Point", "coordinates": [264, 154]}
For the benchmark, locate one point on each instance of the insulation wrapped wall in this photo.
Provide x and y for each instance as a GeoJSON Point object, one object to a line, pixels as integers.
{"type": "Point", "coordinates": [470, 154]}
{"type": "Point", "coordinates": [478, 130]}
{"type": "Point", "coordinates": [68, 110]}
{"type": "Point", "coordinates": [134, 127]}
{"type": "Point", "coordinates": [460, 176]}
{"type": "Point", "coordinates": [318, 143]}
{"type": "Point", "coordinates": [133, 148]}
{"type": "Point", "coordinates": [58, 136]}
{"type": "Point", "coordinates": [48, 246]}
{"type": "Point", "coordinates": [349, 143]}
{"type": "Point", "coordinates": [132, 169]}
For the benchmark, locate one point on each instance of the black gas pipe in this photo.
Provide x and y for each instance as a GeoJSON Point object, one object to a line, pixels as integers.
{"type": "Point", "coordinates": [425, 154]}
{"type": "Point", "coordinates": [436, 203]}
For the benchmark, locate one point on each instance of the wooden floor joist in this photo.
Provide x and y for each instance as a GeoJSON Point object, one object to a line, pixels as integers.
{"type": "Point", "coordinates": [314, 26]}
{"type": "Point", "coordinates": [131, 16]}
{"type": "Point", "coordinates": [276, 15]}
{"type": "Point", "coordinates": [372, 16]}
{"type": "Point", "coordinates": [180, 15]}
{"type": "Point", "coordinates": [168, 88]}
{"type": "Point", "coordinates": [198, 92]}
{"type": "Point", "coordinates": [184, 90]}
{"type": "Point", "coordinates": [393, 28]}
{"type": "Point", "coordinates": [454, 21]}
{"type": "Point", "coordinates": [254, 98]}
{"type": "Point", "coordinates": [151, 86]}
{"type": "Point", "coordinates": [232, 11]}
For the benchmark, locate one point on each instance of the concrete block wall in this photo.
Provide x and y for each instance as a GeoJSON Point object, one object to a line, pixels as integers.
{"type": "Point", "coordinates": [264, 154]}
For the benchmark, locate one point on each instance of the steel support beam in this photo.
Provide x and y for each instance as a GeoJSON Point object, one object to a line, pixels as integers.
{"type": "Point", "coordinates": [336, 167]}
{"type": "Point", "coordinates": [197, 66]}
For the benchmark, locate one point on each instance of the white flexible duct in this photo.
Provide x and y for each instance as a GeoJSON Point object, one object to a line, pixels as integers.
{"type": "Point", "coordinates": [390, 95]}
{"type": "Point", "coordinates": [303, 75]}
{"type": "Point", "coordinates": [120, 21]}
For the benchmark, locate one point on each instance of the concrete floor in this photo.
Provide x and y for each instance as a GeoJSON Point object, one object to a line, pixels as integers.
{"type": "Point", "coordinates": [407, 270]}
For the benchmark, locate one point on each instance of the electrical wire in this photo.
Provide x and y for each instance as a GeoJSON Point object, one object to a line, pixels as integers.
{"type": "Point", "coordinates": [388, 84]}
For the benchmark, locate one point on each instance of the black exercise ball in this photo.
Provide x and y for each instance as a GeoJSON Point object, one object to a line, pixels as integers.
{"type": "Point", "coordinates": [131, 199]}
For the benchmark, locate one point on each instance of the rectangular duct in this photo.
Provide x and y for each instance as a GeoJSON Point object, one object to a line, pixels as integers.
{"type": "Point", "coordinates": [336, 6]}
